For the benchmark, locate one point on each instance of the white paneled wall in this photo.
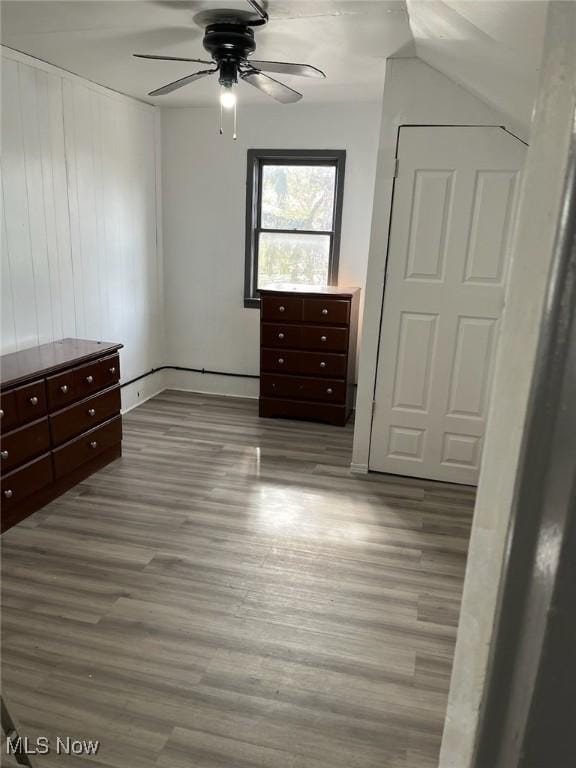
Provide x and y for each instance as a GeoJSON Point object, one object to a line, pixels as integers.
{"type": "Point", "coordinates": [81, 246]}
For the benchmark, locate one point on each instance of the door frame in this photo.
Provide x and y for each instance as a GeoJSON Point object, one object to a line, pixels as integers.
{"type": "Point", "coordinates": [387, 256]}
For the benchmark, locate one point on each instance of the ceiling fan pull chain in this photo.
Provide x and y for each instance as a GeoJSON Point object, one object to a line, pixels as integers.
{"type": "Point", "coordinates": [221, 128]}
{"type": "Point", "coordinates": [234, 136]}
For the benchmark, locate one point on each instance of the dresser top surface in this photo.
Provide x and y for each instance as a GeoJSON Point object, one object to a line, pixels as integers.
{"type": "Point", "coordinates": [19, 367]}
{"type": "Point", "coordinates": [309, 290]}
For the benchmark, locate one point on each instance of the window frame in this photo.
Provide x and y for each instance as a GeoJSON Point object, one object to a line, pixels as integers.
{"type": "Point", "coordinates": [257, 159]}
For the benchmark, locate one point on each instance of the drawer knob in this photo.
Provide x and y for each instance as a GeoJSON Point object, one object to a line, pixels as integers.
{"type": "Point", "coordinates": [281, 360]}
{"type": "Point", "coordinates": [4, 454]}
{"type": "Point", "coordinates": [322, 364]}
{"type": "Point", "coordinates": [91, 412]}
{"type": "Point", "coordinates": [34, 400]}
{"type": "Point", "coordinates": [8, 494]}
{"type": "Point", "coordinates": [281, 309]}
{"type": "Point", "coordinates": [280, 335]}
{"type": "Point", "coordinates": [64, 389]}
{"type": "Point", "coordinates": [330, 390]}
{"type": "Point", "coordinates": [112, 370]}
{"type": "Point", "coordinates": [324, 311]}
{"type": "Point", "coordinates": [89, 379]}
{"type": "Point", "coordinates": [323, 338]}
{"type": "Point", "coordinates": [93, 444]}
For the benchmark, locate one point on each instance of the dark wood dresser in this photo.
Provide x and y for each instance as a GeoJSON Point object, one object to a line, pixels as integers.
{"type": "Point", "coordinates": [60, 421]}
{"type": "Point", "coordinates": [308, 353]}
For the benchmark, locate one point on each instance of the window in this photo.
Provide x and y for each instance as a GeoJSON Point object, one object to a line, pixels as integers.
{"type": "Point", "coordinates": [293, 214]}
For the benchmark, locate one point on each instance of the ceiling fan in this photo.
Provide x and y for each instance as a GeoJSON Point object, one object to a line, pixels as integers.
{"type": "Point", "coordinates": [230, 41]}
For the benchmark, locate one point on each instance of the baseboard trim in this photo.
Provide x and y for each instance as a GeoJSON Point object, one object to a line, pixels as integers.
{"type": "Point", "coordinates": [211, 394]}
{"type": "Point", "coordinates": [124, 411]}
{"type": "Point", "coordinates": [211, 384]}
{"type": "Point", "coordinates": [359, 469]}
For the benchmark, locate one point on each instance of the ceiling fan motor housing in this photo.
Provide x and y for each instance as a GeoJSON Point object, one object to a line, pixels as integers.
{"type": "Point", "coordinates": [229, 44]}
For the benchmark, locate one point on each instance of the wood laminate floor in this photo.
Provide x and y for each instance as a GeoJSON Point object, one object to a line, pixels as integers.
{"type": "Point", "coordinates": [228, 595]}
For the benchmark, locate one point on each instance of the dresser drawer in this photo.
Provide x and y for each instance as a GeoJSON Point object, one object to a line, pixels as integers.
{"type": "Point", "coordinates": [320, 364]}
{"type": "Point", "coordinates": [87, 379]}
{"type": "Point", "coordinates": [330, 339]}
{"type": "Point", "coordinates": [281, 336]}
{"type": "Point", "coordinates": [86, 447]}
{"type": "Point", "coordinates": [82, 416]}
{"type": "Point", "coordinates": [61, 390]}
{"type": "Point", "coordinates": [97, 375]}
{"type": "Point", "coordinates": [303, 388]}
{"type": "Point", "coordinates": [23, 444]}
{"type": "Point", "coordinates": [307, 363]}
{"type": "Point", "coordinates": [281, 308]}
{"type": "Point", "coordinates": [326, 311]}
{"type": "Point", "coordinates": [8, 413]}
{"type": "Point", "coordinates": [110, 370]}
{"type": "Point", "coordinates": [271, 407]}
{"type": "Point", "coordinates": [23, 482]}
{"type": "Point", "coordinates": [30, 402]}
{"type": "Point", "coordinates": [279, 360]}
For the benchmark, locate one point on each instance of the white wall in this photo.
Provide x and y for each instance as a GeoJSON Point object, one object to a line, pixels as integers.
{"type": "Point", "coordinates": [79, 224]}
{"type": "Point", "coordinates": [414, 94]}
{"type": "Point", "coordinates": [540, 210]}
{"type": "Point", "coordinates": [204, 177]}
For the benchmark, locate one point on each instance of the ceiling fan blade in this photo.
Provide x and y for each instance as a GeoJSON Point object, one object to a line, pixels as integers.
{"type": "Point", "coordinates": [271, 87]}
{"type": "Point", "coordinates": [287, 68]}
{"type": "Point", "coordinates": [168, 58]}
{"type": "Point", "coordinates": [260, 11]}
{"type": "Point", "coordinates": [301, 17]}
{"type": "Point", "coordinates": [182, 82]}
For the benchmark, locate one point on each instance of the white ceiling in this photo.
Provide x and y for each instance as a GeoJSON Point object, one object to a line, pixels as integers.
{"type": "Point", "coordinates": [492, 47]}
{"type": "Point", "coordinates": [96, 40]}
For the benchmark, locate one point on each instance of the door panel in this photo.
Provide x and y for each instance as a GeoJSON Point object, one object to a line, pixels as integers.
{"type": "Point", "coordinates": [491, 218]}
{"type": "Point", "coordinates": [415, 354]}
{"type": "Point", "coordinates": [452, 217]}
{"type": "Point", "coordinates": [430, 213]}
{"type": "Point", "coordinates": [475, 339]}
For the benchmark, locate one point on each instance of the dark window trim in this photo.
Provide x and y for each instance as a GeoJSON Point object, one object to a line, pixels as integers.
{"type": "Point", "coordinates": [257, 158]}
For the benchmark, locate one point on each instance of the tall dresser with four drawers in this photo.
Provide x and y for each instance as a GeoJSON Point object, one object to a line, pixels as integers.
{"type": "Point", "coordinates": [308, 353]}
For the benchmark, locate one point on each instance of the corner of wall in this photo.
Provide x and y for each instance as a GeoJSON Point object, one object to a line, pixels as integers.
{"type": "Point", "coordinates": [139, 392]}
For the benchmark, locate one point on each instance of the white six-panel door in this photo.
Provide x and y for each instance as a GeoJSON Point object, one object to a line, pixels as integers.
{"type": "Point", "coordinates": [452, 217]}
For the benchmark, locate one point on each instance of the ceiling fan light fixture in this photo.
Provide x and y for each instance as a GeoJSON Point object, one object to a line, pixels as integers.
{"type": "Point", "coordinates": [228, 102]}
{"type": "Point", "coordinates": [227, 97]}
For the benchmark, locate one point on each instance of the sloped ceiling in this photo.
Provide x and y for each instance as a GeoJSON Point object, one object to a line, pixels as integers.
{"type": "Point", "coordinates": [490, 47]}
